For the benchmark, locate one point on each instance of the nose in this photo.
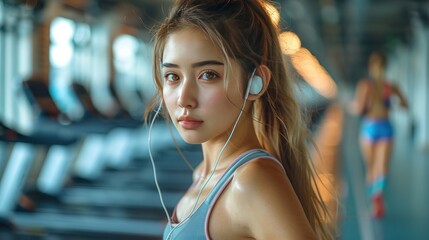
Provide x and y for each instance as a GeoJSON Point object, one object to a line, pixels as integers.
{"type": "Point", "coordinates": [187, 93]}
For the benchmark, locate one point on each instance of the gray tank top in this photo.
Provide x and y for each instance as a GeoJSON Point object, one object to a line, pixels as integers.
{"type": "Point", "coordinates": [196, 227]}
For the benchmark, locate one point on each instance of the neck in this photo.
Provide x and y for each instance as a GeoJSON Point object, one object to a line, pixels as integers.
{"type": "Point", "coordinates": [378, 77]}
{"type": "Point", "coordinates": [242, 140]}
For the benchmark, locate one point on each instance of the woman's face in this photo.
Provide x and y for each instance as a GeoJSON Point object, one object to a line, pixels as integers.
{"type": "Point", "coordinates": [193, 71]}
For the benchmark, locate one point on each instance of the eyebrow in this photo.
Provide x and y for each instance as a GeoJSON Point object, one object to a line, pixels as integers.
{"type": "Point", "coordinates": [194, 65]}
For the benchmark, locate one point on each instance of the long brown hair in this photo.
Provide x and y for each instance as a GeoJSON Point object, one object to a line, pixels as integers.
{"type": "Point", "coordinates": [243, 31]}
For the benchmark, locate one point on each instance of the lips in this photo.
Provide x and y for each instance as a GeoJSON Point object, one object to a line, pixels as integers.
{"type": "Point", "coordinates": [188, 122]}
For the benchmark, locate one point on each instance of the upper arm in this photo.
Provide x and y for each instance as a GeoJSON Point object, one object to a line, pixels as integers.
{"type": "Point", "coordinates": [267, 204]}
{"type": "Point", "coordinates": [396, 91]}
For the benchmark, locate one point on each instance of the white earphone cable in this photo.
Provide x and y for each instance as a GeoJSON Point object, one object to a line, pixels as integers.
{"type": "Point", "coordinates": [153, 163]}
{"type": "Point", "coordinates": [224, 146]}
{"type": "Point", "coordinates": [217, 159]}
{"type": "Point", "coordinates": [211, 172]}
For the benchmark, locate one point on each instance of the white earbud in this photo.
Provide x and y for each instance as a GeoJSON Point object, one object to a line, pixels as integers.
{"type": "Point", "coordinates": [256, 85]}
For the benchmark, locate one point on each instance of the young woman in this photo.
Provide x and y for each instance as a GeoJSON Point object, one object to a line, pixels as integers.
{"type": "Point", "coordinates": [221, 78]}
{"type": "Point", "coordinates": [372, 101]}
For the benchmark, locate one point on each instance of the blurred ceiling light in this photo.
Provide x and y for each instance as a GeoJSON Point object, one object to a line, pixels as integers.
{"type": "Point", "coordinates": [125, 49]}
{"type": "Point", "coordinates": [313, 73]}
{"type": "Point", "coordinates": [289, 42]}
{"type": "Point", "coordinates": [273, 12]}
{"type": "Point", "coordinates": [62, 30]}
{"type": "Point", "coordinates": [60, 55]}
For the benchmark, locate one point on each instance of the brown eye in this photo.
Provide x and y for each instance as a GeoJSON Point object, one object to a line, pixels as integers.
{"type": "Point", "coordinates": [208, 75]}
{"type": "Point", "coordinates": [171, 77]}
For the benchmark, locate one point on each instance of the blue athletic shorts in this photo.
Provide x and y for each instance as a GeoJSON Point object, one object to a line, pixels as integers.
{"type": "Point", "coordinates": [374, 130]}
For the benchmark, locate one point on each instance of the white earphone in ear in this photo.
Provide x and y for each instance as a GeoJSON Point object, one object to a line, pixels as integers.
{"type": "Point", "coordinates": [256, 85]}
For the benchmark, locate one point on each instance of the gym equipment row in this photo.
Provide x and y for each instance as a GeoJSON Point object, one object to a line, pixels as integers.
{"type": "Point", "coordinates": [79, 172]}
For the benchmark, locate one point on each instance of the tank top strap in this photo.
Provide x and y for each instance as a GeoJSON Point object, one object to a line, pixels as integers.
{"type": "Point", "coordinates": [242, 159]}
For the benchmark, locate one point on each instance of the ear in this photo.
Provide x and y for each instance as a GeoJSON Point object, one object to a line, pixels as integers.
{"type": "Point", "coordinates": [265, 73]}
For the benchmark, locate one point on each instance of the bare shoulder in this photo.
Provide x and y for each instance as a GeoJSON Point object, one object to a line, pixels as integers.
{"type": "Point", "coordinates": [264, 199]}
{"type": "Point", "coordinates": [260, 180]}
{"type": "Point", "coordinates": [258, 173]}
